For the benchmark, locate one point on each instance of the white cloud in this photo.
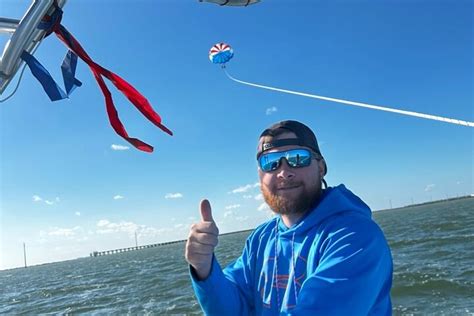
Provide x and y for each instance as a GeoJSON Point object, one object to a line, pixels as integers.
{"type": "Point", "coordinates": [37, 198]}
{"type": "Point", "coordinates": [104, 226]}
{"type": "Point", "coordinates": [229, 207]}
{"type": "Point", "coordinates": [119, 147]}
{"type": "Point", "coordinates": [271, 110]}
{"type": "Point", "coordinates": [263, 207]}
{"type": "Point", "coordinates": [247, 196]}
{"type": "Point", "coordinates": [245, 188]}
{"type": "Point", "coordinates": [258, 197]}
{"type": "Point", "coordinates": [429, 187]}
{"type": "Point", "coordinates": [68, 233]}
{"type": "Point", "coordinates": [77, 213]}
{"type": "Point", "coordinates": [192, 218]}
{"type": "Point", "coordinates": [173, 196]}
{"type": "Point", "coordinates": [232, 216]}
{"type": "Point", "coordinates": [242, 189]}
{"type": "Point", "coordinates": [177, 226]}
{"type": "Point", "coordinates": [102, 223]}
{"type": "Point", "coordinates": [118, 197]}
{"type": "Point", "coordinates": [228, 213]}
{"type": "Point", "coordinates": [65, 232]}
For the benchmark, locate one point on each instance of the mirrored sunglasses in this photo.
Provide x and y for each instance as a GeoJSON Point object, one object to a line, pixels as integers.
{"type": "Point", "coordinates": [296, 158]}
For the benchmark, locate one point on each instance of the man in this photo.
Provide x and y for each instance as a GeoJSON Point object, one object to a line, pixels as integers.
{"type": "Point", "coordinates": [323, 254]}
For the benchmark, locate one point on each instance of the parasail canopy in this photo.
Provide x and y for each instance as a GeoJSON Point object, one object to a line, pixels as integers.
{"type": "Point", "coordinates": [221, 53]}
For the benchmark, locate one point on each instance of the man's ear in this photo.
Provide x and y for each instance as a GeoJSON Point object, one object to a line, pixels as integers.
{"type": "Point", "coordinates": [321, 168]}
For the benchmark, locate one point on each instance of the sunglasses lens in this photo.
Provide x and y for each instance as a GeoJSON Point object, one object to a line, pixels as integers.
{"type": "Point", "coordinates": [296, 158]}
{"type": "Point", "coordinates": [270, 162]}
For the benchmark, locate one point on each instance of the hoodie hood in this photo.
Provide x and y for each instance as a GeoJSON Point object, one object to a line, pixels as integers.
{"type": "Point", "coordinates": [333, 201]}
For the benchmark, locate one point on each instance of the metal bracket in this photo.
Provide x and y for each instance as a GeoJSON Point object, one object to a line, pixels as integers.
{"type": "Point", "coordinates": [25, 36]}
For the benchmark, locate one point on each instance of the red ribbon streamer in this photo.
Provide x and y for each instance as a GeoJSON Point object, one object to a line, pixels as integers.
{"type": "Point", "coordinates": [137, 99]}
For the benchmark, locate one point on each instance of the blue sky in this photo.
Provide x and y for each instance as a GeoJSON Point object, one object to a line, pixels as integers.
{"type": "Point", "coordinates": [66, 192]}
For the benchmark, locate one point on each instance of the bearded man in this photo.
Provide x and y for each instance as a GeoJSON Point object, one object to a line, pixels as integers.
{"type": "Point", "coordinates": [322, 255]}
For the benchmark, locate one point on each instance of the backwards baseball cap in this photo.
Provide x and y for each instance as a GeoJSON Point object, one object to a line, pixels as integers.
{"type": "Point", "coordinates": [304, 137]}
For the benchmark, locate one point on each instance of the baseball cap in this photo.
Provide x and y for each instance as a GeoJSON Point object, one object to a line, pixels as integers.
{"type": "Point", "coordinates": [304, 137]}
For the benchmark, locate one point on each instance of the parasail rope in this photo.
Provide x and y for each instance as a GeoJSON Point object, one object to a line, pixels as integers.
{"type": "Point", "coordinates": [370, 106]}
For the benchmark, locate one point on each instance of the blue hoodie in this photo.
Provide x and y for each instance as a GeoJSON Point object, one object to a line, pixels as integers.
{"type": "Point", "coordinates": [335, 261]}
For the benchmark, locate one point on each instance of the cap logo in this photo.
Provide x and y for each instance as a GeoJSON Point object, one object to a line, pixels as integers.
{"type": "Point", "coordinates": [282, 142]}
{"type": "Point", "coordinates": [267, 146]}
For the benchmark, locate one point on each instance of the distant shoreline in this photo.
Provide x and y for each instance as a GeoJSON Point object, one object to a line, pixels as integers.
{"type": "Point", "coordinates": [464, 197]}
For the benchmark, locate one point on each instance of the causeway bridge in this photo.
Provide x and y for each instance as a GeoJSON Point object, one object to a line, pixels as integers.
{"type": "Point", "coordinates": [121, 250]}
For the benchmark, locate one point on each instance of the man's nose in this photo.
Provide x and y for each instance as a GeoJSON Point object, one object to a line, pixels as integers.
{"type": "Point", "coordinates": [285, 171]}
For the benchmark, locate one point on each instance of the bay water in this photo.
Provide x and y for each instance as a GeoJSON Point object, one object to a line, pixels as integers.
{"type": "Point", "coordinates": [432, 247]}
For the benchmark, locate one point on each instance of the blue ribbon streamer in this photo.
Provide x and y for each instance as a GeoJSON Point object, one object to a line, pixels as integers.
{"type": "Point", "coordinates": [68, 69]}
{"type": "Point", "coordinates": [51, 88]}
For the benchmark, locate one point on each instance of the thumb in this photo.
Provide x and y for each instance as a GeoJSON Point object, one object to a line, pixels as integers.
{"type": "Point", "coordinates": [206, 212]}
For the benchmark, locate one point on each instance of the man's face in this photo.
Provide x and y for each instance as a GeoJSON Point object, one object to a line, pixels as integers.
{"type": "Point", "coordinates": [290, 190]}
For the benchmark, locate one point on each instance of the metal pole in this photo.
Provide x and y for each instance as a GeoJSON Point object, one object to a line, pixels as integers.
{"type": "Point", "coordinates": [8, 25]}
{"type": "Point", "coordinates": [24, 253]}
{"type": "Point", "coordinates": [25, 36]}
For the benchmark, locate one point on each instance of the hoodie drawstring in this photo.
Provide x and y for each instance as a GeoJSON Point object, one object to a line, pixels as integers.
{"type": "Point", "coordinates": [275, 268]}
{"type": "Point", "coordinates": [293, 264]}
{"type": "Point", "coordinates": [292, 269]}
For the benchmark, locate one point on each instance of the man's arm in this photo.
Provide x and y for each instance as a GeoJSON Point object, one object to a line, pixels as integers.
{"type": "Point", "coordinates": [354, 273]}
{"type": "Point", "coordinates": [224, 292]}
{"type": "Point", "coordinates": [218, 294]}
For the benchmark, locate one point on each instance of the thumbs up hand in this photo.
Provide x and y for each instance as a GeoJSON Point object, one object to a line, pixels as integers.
{"type": "Point", "coordinates": [201, 242]}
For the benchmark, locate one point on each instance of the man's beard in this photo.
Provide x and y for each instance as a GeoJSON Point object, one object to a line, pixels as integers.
{"type": "Point", "coordinates": [303, 203]}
